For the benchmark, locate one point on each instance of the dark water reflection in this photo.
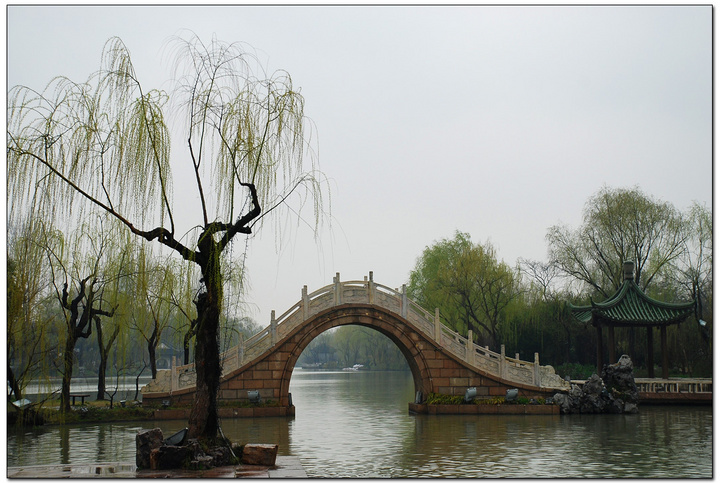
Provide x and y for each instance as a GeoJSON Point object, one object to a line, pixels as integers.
{"type": "Point", "coordinates": [351, 424]}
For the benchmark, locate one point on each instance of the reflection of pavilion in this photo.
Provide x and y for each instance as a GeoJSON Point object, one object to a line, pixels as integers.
{"type": "Point", "coordinates": [630, 307]}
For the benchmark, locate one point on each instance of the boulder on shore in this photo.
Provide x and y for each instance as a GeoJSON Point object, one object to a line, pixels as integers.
{"type": "Point", "coordinates": [152, 452]}
{"type": "Point", "coordinates": [614, 392]}
{"type": "Point", "coordinates": [169, 457]}
{"type": "Point", "coordinates": [146, 441]}
{"type": "Point", "coordinates": [620, 381]}
{"type": "Point", "coordinates": [259, 454]}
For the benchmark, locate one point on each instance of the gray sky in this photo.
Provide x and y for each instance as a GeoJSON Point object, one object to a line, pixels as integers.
{"type": "Point", "coordinates": [497, 121]}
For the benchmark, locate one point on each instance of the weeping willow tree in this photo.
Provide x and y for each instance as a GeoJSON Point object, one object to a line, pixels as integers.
{"type": "Point", "coordinates": [118, 270]}
{"type": "Point", "coordinates": [106, 144]}
{"type": "Point", "coordinates": [152, 291]}
{"type": "Point", "coordinates": [470, 286]}
{"type": "Point", "coordinates": [618, 225]}
{"type": "Point", "coordinates": [29, 308]}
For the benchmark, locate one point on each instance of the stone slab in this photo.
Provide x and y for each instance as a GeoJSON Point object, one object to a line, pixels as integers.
{"type": "Point", "coordinates": [259, 454]}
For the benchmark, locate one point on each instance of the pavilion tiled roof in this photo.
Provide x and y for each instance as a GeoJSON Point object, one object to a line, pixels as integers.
{"type": "Point", "coordinates": [630, 306]}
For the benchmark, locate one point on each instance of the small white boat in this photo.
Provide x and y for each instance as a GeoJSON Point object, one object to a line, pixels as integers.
{"type": "Point", "coordinates": [355, 367]}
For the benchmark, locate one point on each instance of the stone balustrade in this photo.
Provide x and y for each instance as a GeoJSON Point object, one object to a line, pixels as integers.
{"type": "Point", "coordinates": [367, 291]}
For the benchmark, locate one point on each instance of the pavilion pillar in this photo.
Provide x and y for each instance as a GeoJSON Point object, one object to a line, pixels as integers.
{"type": "Point", "coordinates": [599, 349]}
{"type": "Point", "coordinates": [663, 349]}
{"type": "Point", "coordinates": [650, 359]}
{"type": "Point", "coordinates": [611, 345]}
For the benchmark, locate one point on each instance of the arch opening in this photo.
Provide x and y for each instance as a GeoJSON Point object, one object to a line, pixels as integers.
{"type": "Point", "coordinates": [381, 321]}
{"type": "Point", "coordinates": [353, 347]}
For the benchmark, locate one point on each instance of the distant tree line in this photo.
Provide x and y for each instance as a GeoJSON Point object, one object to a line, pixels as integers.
{"type": "Point", "coordinates": [99, 304]}
{"type": "Point", "coordinates": [99, 301]}
{"type": "Point", "coordinates": [525, 308]}
{"type": "Point", "coordinates": [349, 345]}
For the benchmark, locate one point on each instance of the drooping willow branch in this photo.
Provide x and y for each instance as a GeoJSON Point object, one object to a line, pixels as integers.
{"type": "Point", "coordinates": [162, 235]}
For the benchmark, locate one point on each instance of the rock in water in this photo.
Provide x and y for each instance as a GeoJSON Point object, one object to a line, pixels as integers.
{"type": "Point", "coordinates": [259, 454]}
{"type": "Point", "coordinates": [620, 381]}
{"type": "Point", "coordinates": [595, 397]}
{"type": "Point", "coordinates": [145, 442]}
{"type": "Point", "coordinates": [615, 392]}
{"type": "Point", "coordinates": [169, 457]}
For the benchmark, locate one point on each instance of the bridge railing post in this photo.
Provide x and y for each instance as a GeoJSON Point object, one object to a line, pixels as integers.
{"type": "Point", "coordinates": [273, 328]}
{"type": "Point", "coordinates": [404, 301]}
{"type": "Point", "coordinates": [438, 328]}
{"type": "Point", "coordinates": [536, 371]}
{"type": "Point", "coordinates": [470, 350]}
{"type": "Point", "coordinates": [241, 350]}
{"type": "Point", "coordinates": [503, 362]}
{"type": "Point", "coordinates": [173, 376]}
{"type": "Point", "coordinates": [371, 289]}
{"type": "Point", "coordinates": [305, 303]}
{"type": "Point", "coordinates": [338, 289]}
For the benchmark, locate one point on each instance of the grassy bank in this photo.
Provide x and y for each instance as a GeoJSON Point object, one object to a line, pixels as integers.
{"type": "Point", "coordinates": [446, 399]}
{"type": "Point", "coordinates": [90, 412]}
{"type": "Point", "coordinates": [101, 412]}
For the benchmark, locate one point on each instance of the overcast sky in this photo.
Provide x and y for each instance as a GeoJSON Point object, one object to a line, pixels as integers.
{"type": "Point", "coordinates": [496, 121]}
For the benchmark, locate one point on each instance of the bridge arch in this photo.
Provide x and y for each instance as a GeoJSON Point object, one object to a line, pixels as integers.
{"type": "Point", "coordinates": [384, 321]}
{"type": "Point", "coordinates": [440, 360]}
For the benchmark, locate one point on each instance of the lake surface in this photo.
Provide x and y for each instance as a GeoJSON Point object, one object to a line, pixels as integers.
{"type": "Point", "coordinates": [356, 424]}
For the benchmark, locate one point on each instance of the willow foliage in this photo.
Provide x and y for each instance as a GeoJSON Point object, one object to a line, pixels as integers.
{"type": "Point", "coordinates": [107, 141]}
{"type": "Point", "coordinates": [466, 281]}
{"type": "Point", "coordinates": [103, 140]}
{"type": "Point", "coordinates": [618, 225]}
{"type": "Point", "coordinates": [243, 129]}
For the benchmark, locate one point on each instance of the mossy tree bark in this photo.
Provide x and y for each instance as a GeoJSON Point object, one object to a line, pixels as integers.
{"type": "Point", "coordinates": [203, 421]}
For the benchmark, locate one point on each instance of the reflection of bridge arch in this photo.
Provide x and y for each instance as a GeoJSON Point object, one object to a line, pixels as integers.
{"type": "Point", "coordinates": [440, 360]}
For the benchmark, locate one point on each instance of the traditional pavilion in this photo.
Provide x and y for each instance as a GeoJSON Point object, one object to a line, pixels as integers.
{"type": "Point", "coordinates": [630, 307]}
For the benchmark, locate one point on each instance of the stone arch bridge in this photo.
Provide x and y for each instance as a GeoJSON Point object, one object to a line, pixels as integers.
{"type": "Point", "coordinates": [441, 361]}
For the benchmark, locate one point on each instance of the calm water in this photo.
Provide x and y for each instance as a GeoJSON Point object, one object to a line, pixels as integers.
{"type": "Point", "coordinates": [356, 424]}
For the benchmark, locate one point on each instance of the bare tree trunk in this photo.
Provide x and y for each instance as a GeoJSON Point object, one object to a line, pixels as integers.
{"type": "Point", "coordinates": [101, 378]}
{"type": "Point", "coordinates": [68, 359]}
{"type": "Point", "coordinates": [137, 380]}
{"type": "Point", "coordinates": [186, 347]}
{"type": "Point", "coordinates": [104, 350]}
{"type": "Point", "coordinates": [153, 362]}
{"type": "Point", "coordinates": [13, 383]}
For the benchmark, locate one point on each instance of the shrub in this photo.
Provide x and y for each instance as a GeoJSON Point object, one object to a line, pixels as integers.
{"type": "Point", "coordinates": [575, 370]}
{"type": "Point", "coordinates": [434, 398]}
